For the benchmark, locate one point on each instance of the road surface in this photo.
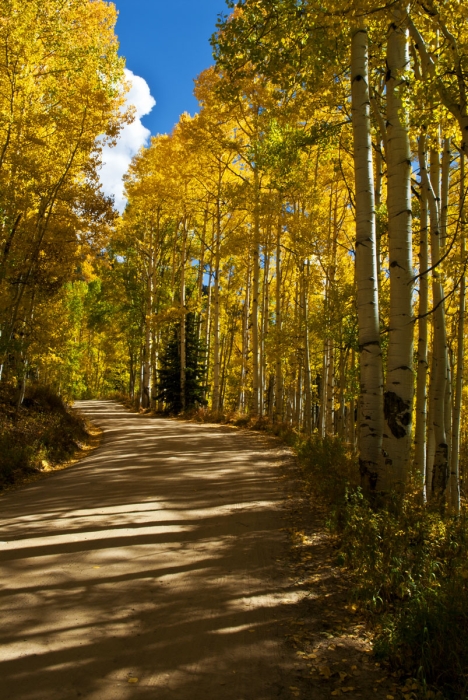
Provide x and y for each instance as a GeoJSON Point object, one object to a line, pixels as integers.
{"type": "Point", "coordinates": [147, 570]}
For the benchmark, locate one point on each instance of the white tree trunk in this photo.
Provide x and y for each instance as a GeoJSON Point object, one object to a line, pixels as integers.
{"type": "Point", "coordinates": [370, 419]}
{"type": "Point", "coordinates": [398, 396]}
{"type": "Point", "coordinates": [183, 345]}
{"type": "Point", "coordinates": [255, 300]}
{"type": "Point", "coordinates": [439, 477]}
{"type": "Point", "coordinates": [215, 329]}
{"type": "Point", "coordinates": [421, 385]}
{"type": "Point", "coordinates": [279, 324]}
{"type": "Point", "coordinates": [455, 458]}
{"type": "Point", "coordinates": [307, 378]}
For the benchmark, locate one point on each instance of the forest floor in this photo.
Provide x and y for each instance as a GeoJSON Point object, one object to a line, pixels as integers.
{"type": "Point", "coordinates": [179, 561]}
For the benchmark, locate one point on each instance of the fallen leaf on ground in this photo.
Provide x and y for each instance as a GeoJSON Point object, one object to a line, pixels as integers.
{"type": "Point", "coordinates": [325, 671]}
{"type": "Point", "coordinates": [132, 679]}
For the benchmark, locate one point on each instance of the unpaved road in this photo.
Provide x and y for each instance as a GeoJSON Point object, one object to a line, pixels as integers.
{"type": "Point", "coordinates": [148, 570]}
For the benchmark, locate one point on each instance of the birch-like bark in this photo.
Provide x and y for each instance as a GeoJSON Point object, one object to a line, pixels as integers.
{"type": "Point", "coordinates": [255, 296]}
{"type": "Point", "coordinates": [330, 405]}
{"type": "Point", "coordinates": [183, 344]}
{"type": "Point", "coordinates": [439, 477]}
{"type": "Point", "coordinates": [145, 398]}
{"type": "Point", "coordinates": [370, 419]}
{"type": "Point", "coordinates": [341, 422]}
{"type": "Point", "coordinates": [398, 396]}
{"type": "Point", "coordinates": [279, 324]}
{"type": "Point", "coordinates": [422, 367]}
{"type": "Point", "coordinates": [444, 201]}
{"type": "Point", "coordinates": [264, 326]}
{"type": "Point", "coordinates": [215, 329]}
{"type": "Point", "coordinates": [455, 458]}
{"type": "Point", "coordinates": [245, 343]}
{"type": "Point", "coordinates": [352, 408]}
{"type": "Point", "coordinates": [444, 204]}
{"type": "Point", "coordinates": [209, 314]}
{"type": "Point", "coordinates": [324, 389]}
{"type": "Point", "coordinates": [201, 272]}
{"type": "Point", "coordinates": [307, 378]}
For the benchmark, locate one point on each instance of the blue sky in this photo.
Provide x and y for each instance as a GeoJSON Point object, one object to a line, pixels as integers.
{"type": "Point", "coordinates": [166, 42]}
{"type": "Point", "coordinates": [166, 45]}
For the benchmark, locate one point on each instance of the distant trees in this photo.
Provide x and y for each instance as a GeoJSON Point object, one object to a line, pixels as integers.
{"type": "Point", "coordinates": [61, 98]}
{"type": "Point", "coordinates": [170, 392]}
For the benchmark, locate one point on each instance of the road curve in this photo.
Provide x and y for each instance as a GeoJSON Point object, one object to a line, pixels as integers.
{"type": "Point", "coordinates": [148, 570]}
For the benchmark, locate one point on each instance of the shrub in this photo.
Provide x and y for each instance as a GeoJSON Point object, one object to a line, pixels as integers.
{"type": "Point", "coordinates": [42, 430]}
{"type": "Point", "coordinates": [408, 565]}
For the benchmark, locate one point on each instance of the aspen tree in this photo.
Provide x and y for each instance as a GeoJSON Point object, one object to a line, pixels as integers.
{"type": "Point", "coordinates": [455, 459]}
{"type": "Point", "coordinates": [279, 323]}
{"type": "Point", "coordinates": [183, 346]}
{"type": "Point", "coordinates": [370, 420]}
{"type": "Point", "coordinates": [245, 341]}
{"type": "Point", "coordinates": [398, 395]}
{"type": "Point", "coordinates": [422, 360]}
{"type": "Point", "coordinates": [307, 377]}
{"type": "Point", "coordinates": [255, 297]}
{"type": "Point", "coordinates": [216, 311]}
{"type": "Point", "coordinates": [439, 476]}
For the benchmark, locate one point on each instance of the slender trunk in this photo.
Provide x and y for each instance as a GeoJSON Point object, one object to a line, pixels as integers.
{"type": "Point", "coordinates": [307, 379]}
{"type": "Point", "coordinates": [398, 396]}
{"type": "Point", "coordinates": [209, 314]}
{"type": "Point", "coordinates": [455, 460]}
{"type": "Point", "coordinates": [245, 344]}
{"type": "Point", "coordinates": [215, 330]}
{"type": "Point", "coordinates": [446, 160]}
{"type": "Point", "coordinates": [324, 389]}
{"type": "Point", "coordinates": [439, 477]}
{"type": "Point", "coordinates": [341, 427]}
{"type": "Point", "coordinates": [352, 407]}
{"type": "Point", "coordinates": [330, 404]}
{"type": "Point", "coordinates": [298, 400]}
{"type": "Point", "coordinates": [265, 327]}
{"type": "Point", "coordinates": [145, 398]}
{"type": "Point", "coordinates": [183, 345]}
{"type": "Point", "coordinates": [370, 420]}
{"type": "Point", "coordinates": [201, 272]}
{"type": "Point", "coordinates": [255, 295]}
{"type": "Point", "coordinates": [378, 227]}
{"type": "Point", "coordinates": [421, 383]}
{"type": "Point", "coordinates": [279, 323]}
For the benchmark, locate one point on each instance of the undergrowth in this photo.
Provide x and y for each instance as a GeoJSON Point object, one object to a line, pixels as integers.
{"type": "Point", "coordinates": [408, 566]}
{"type": "Point", "coordinates": [41, 433]}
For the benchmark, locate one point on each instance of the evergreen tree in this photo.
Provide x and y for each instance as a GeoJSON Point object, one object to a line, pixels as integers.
{"type": "Point", "coordinates": [169, 375]}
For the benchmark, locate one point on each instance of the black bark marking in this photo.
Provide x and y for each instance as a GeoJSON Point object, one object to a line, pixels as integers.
{"type": "Point", "coordinates": [369, 476]}
{"type": "Point", "coordinates": [397, 413]}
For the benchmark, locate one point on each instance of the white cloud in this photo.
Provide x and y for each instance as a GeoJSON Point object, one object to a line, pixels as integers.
{"type": "Point", "coordinates": [132, 137]}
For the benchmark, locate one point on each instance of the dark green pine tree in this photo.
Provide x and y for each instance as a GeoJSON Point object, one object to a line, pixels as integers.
{"type": "Point", "coordinates": [169, 374]}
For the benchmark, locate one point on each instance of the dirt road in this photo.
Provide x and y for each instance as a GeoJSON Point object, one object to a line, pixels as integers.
{"type": "Point", "coordinates": [147, 570]}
